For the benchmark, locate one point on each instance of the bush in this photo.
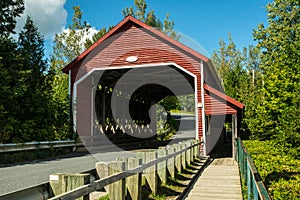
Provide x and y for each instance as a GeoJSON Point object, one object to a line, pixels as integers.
{"type": "Point", "coordinates": [280, 170]}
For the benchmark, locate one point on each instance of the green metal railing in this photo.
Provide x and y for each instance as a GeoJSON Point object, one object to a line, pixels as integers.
{"type": "Point", "coordinates": [249, 174]}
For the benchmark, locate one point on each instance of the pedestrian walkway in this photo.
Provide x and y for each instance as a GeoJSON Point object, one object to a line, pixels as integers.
{"type": "Point", "coordinates": [220, 180]}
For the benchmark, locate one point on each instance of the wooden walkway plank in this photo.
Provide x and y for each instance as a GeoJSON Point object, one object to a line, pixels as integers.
{"type": "Point", "coordinates": [220, 180]}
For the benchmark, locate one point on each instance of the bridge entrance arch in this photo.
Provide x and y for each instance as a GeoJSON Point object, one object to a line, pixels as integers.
{"type": "Point", "coordinates": [118, 101]}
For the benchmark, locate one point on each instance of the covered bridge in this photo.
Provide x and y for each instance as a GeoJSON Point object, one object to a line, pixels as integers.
{"type": "Point", "coordinates": [115, 83]}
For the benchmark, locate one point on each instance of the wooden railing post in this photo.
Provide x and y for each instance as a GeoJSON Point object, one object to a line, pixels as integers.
{"type": "Point", "coordinates": [116, 190]}
{"type": "Point", "coordinates": [177, 158]}
{"type": "Point", "coordinates": [187, 152]}
{"type": "Point", "coordinates": [183, 157]}
{"type": "Point", "coordinates": [150, 172]}
{"type": "Point", "coordinates": [197, 150]}
{"type": "Point", "coordinates": [171, 161]}
{"type": "Point", "coordinates": [162, 166]}
{"type": "Point", "coordinates": [61, 183]}
{"type": "Point", "coordinates": [134, 183]}
{"type": "Point", "coordinates": [192, 150]}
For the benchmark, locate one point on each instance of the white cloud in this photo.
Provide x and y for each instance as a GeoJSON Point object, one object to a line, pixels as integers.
{"type": "Point", "coordinates": [49, 16]}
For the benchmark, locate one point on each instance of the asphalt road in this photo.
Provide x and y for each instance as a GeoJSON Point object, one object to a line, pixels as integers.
{"type": "Point", "coordinates": [18, 177]}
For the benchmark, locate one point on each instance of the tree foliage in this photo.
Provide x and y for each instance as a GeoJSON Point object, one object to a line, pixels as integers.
{"type": "Point", "coordinates": [9, 10]}
{"type": "Point", "coordinates": [67, 46]}
{"type": "Point", "coordinates": [272, 97]}
{"type": "Point", "coordinates": [25, 107]}
{"type": "Point", "coordinates": [141, 13]}
{"type": "Point", "coordinates": [279, 44]}
{"type": "Point", "coordinates": [240, 75]}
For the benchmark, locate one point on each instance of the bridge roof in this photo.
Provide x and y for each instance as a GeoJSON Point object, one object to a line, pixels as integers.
{"type": "Point", "coordinates": [119, 28]}
{"type": "Point", "coordinates": [217, 103]}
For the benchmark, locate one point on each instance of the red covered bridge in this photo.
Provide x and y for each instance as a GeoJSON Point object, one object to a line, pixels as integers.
{"type": "Point", "coordinates": [131, 68]}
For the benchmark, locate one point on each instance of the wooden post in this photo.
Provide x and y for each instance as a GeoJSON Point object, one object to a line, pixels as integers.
{"type": "Point", "coordinates": [150, 173]}
{"type": "Point", "coordinates": [196, 150]}
{"type": "Point", "coordinates": [102, 171]}
{"type": "Point", "coordinates": [162, 166]}
{"type": "Point", "coordinates": [142, 156]}
{"type": "Point", "coordinates": [177, 158]}
{"type": "Point", "coordinates": [192, 150]}
{"type": "Point", "coordinates": [115, 190]}
{"type": "Point", "coordinates": [134, 183]}
{"type": "Point", "coordinates": [61, 183]}
{"type": "Point", "coordinates": [171, 161]}
{"type": "Point", "coordinates": [183, 159]}
{"type": "Point", "coordinates": [125, 160]}
{"type": "Point", "coordinates": [187, 153]}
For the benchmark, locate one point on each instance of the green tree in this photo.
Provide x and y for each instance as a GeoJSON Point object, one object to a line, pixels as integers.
{"type": "Point", "coordinates": [240, 76]}
{"type": "Point", "coordinates": [90, 41]}
{"type": "Point", "coordinates": [230, 65]}
{"type": "Point", "coordinates": [70, 43]}
{"type": "Point", "coordinates": [35, 112]}
{"type": "Point", "coordinates": [279, 43]}
{"type": "Point", "coordinates": [12, 87]}
{"type": "Point", "coordinates": [140, 12]}
{"type": "Point", "coordinates": [67, 46]}
{"type": "Point", "coordinates": [11, 78]}
{"type": "Point", "coordinates": [9, 10]}
{"type": "Point", "coordinates": [24, 103]}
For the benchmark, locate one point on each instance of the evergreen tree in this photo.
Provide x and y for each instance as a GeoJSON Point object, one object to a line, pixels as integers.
{"type": "Point", "coordinates": [9, 10]}
{"type": "Point", "coordinates": [12, 80]}
{"type": "Point", "coordinates": [24, 103]}
{"type": "Point", "coordinates": [279, 43]}
{"type": "Point", "coordinates": [12, 88]}
{"type": "Point", "coordinates": [36, 105]}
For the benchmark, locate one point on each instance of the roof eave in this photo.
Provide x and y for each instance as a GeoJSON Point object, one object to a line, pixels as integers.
{"type": "Point", "coordinates": [224, 96]}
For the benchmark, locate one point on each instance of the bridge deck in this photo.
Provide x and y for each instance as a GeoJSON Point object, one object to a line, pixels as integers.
{"type": "Point", "coordinates": [220, 180]}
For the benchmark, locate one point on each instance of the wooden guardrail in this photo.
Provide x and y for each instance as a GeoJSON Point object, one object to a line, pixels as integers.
{"type": "Point", "coordinates": [15, 147]}
{"type": "Point", "coordinates": [126, 173]}
{"type": "Point", "coordinates": [255, 187]}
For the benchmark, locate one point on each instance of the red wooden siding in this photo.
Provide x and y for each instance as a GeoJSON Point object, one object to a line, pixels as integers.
{"type": "Point", "coordinates": [216, 106]}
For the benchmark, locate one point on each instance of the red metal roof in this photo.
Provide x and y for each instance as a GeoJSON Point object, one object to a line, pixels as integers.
{"type": "Point", "coordinates": [130, 19]}
{"type": "Point", "coordinates": [217, 103]}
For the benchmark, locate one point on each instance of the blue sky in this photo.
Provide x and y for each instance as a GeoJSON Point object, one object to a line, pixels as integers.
{"type": "Point", "coordinates": [205, 21]}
